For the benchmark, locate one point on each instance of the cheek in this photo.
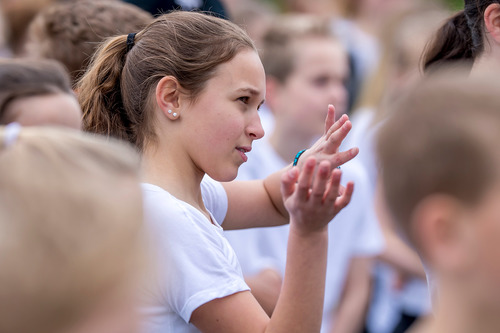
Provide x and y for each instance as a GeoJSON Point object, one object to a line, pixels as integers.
{"type": "Point", "coordinates": [224, 129]}
{"type": "Point", "coordinates": [308, 100]}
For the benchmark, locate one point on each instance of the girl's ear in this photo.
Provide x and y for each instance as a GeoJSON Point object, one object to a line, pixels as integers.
{"type": "Point", "coordinates": [492, 21]}
{"type": "Point", "coordinates": [168, 97]}
{"type": "Point", "coordinates": [272, 93]}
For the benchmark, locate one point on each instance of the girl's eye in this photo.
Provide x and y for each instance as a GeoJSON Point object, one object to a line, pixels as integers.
{"type": "Point", "coordinates": [320, 81]}
{"type": "Point", "coordinates": [244, 99]}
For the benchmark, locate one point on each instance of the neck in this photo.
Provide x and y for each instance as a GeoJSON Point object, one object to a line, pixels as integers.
{"type": "Point", "coordinates": [488, 60]}
{"type": "Point", "coordinates": [458, 313]}
{"type": "Point", "coordinates": [175, 173]}
{"type": "Point", "coordinates": [287, 142]}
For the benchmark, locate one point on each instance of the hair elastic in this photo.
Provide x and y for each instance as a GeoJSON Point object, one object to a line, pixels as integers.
{"type": "Point", "coordinates": [131, 41]}
{"type": "Point", "coordinates": [11, 133]}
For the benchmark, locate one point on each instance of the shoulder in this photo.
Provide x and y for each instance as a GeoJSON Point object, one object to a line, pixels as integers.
{"type": "Point", "coordinates": [165, 214]}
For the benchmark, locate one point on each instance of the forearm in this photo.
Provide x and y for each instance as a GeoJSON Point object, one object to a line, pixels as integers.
{"type": "Point", "coordinates": [401, 256]}
{"type": "Point", "coordinates": [272, 186]}
{"type": "Point", "coordinates": [351, 314]}
{"type": "Point", "coordinates": [300, 305]}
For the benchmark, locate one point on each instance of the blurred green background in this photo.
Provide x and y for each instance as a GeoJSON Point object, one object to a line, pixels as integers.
{"type": "Point", "coordinates": [452, 4]}
{"type": "Point", "coordinates": [455, 4]}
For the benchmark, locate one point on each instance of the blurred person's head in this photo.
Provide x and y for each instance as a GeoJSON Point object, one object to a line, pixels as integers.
{"type": "Point", "coordinates": [254, 17]}
{"type": "Point", "coordinates": [373, 14]}
{"type": "Point", "coordinates": [4, 48]}
{"type": "Point", "coordinates": [312, 7]}
{"type": "Point", "coordinates": [71, 214]}
{"type": "Point", "coordinates": [440, 174]}
{"type": "Point", "coordinates": [37, 93]}
{"type": "Point", "coordinates": [70, 32]}
{"type": "Point", "coordinates": [18, 15]}
{"type": "Point", "coordinates": [403, 40]}
{"type": "Point", "coordinates": [472, 36]}
{"type": "Point", "coordinates": [382, 9]}
{"type": "Point", "coordinates": [306, 69]}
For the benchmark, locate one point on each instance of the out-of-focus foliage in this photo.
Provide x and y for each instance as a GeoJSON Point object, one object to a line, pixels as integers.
{"type": "Point", "coordinates": [455, 4]}
{"type": "Point", "coordinates": [452, 4]}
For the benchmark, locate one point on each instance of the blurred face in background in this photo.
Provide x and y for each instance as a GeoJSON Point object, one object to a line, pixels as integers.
{"type": "Point", "coordinates": [317, 79]}
{"type": "Point", "coordinates": [58, 109]}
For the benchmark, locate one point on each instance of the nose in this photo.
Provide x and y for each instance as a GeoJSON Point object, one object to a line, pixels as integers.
{"type": "Point", "coordinates": [339, 97]}
{"type": "Point", "coordinates": [254, 128]}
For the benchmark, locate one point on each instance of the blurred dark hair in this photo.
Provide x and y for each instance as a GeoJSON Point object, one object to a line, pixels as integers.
{"type": "Point", "coordinates": [461, 38]}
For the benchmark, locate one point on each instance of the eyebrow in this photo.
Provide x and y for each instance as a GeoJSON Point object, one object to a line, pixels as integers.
{"type": "Point", "coordinates": [251, 91]}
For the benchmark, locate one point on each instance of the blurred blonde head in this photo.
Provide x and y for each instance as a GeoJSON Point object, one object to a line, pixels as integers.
{"type": "Point", "coordinates": [70, 216]}
{"type": "Point", "coordinates": [404, 38]}
{"type": "Point", "coordinates": [441, 139]}
{"type": "Point", "coordinates": [306, 69]}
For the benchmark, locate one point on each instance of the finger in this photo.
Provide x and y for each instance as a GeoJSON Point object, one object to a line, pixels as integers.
{"type": "Point", "coordinates": [341, 190]}
{"type": "Point", "coordinates": [332, 191]}
{"type": "Point", "coordinates": [338, 124]}
{"type": "Point", "coordinates": [343, 200]}
{"type": "Point", "coordinates": [330, 118]}
{"type": "Point", "coordinates": [320, 182]}
{"type": "Point", "coordinates": [288, 181]}
{"type": "Point", "coordinates": [305, 179]}
{"type": "Point", "coordinates": [343, 157]}
{"type": "Point", "coordinates": [336, 138]}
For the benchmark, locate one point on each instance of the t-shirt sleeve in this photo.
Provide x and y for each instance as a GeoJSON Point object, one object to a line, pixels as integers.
{"type": "Point", "coordinates": [215, 198]}
{"type": "Point", "coordinates": [194, 263]}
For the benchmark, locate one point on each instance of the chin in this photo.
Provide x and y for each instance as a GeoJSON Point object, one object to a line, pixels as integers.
{"type": "Point", "coordinates": [223, 177]}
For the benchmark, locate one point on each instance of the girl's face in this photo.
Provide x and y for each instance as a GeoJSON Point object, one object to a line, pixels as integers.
{"type": "Point", "coordinates": [318, 79]}
{"type": "Point", "coordinates": [222, 123]}
{"type": "Point", "coordinates": [58, 109]}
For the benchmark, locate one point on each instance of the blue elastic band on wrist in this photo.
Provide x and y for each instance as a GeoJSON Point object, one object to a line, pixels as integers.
{"type": "Point", "coordinates": [296, 159]}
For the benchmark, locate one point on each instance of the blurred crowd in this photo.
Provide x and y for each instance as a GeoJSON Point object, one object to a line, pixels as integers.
{"type": "Point", "coordinates": [60, 187]}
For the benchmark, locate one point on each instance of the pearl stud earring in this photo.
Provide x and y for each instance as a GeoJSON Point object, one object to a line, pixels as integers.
{"type": "Point", "coordinates": [170, 111]}
{"type": "Point", "coordinates": [175, 114]}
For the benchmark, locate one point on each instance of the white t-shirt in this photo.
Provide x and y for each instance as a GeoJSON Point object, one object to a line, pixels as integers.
{"type": "Point", "coordinates": [353, 233]}
{"type": "Point", "coordinates": [194, 263]}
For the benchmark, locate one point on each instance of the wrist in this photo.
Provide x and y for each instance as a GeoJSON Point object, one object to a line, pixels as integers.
{"type": "Point", "coordinates": [297, 156]}
{"type": "Point", "coordinates": [302, 231]}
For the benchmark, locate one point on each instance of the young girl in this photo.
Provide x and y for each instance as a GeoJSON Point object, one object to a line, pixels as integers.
{"type": "Point", "coordinates": [37, 92]}
{"type": "Point", "coordinates": [186, 91]}
{"type": "Point", "coordinates": [439, 163]}
{"type": "Point", "coordinates": [71, 247]}
{"type": "Point", "coordinates": [472, 35]}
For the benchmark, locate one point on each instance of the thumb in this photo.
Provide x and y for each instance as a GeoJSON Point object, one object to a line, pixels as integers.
{"type": "Point", "coordinates": [288, 181]}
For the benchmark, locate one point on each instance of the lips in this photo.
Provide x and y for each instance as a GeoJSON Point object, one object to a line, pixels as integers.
{"type": "Point", "coordinates": [243, 151]}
